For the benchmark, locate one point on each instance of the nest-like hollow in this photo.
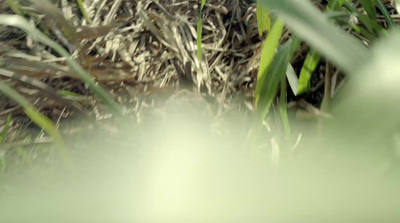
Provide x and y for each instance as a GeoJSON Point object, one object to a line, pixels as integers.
{"type": "Point", "coordinates": [136, 50]}
{"type": "Point", "coordinates": [139, 47]}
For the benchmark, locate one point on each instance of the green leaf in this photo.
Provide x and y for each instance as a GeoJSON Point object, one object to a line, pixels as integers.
{"type": "Point", "coordinates": [363, 32]}
{"type": "Point", "coordinates": [385, 13]}
{"type": "Point", "coordinates": [199, 34]}
{"type": "Point", "coordinates": [270, 83]}
{"type": "Point", "coordinates": [15, 7]}
{"type": "Point", "coordinates": [292, 79]}
{"type": "Point", "coordinates": [267, 55]}
{"type": "Point", "coordinates": [335, 5]}
{"type": "Point", "coordinates": [203, 2]}
{"type": "Point", "coordinates": [200, 30]}
{"type": "Point", "coordinates": [57, 17]}
{"type": "Point", "coordinates": [307, 70]}
{"type": "Point", "coordinates": [369, 7]}
{"type": "Point", "coordinates": [263, 19]}
{"type": "Point", "coordinates": [83, 11]}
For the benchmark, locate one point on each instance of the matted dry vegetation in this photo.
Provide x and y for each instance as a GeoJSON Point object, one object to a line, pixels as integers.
{"type": "Point", "coordinates": [140, 51]}
{"type": "Point", "coordinates": [136, 50]}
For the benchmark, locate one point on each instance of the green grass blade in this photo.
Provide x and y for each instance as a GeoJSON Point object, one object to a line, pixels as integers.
{"type": "Point", "coordinates": [83, 11]}
{"type": "Point", "coordinates": [292, 79]}
{"type": "Point", "coordinates": [313, 58]}
{"type": "Point", "coordinates": [312, 26]}
{"type": "Point", "coordinates": [4, 131]}
{"type": "Point", "coordinates": [270, 84]}
{"type": "Point", "coordinates": [200, 30]}
{"type": "Point", "coordinates": [57, 17]}
{"type": "Point", "coordinates": [274, 75]}
{"type": "Point", "coordinates": [267, 55]}
{"type": "Point", "coordinates": [307, 70]}
{"type": "Point", "coordinates": [203, 2]}
{"type": "Point", "coordinates": [335, 5]}
{"type": "Point", "coordinates": [363, 32]}
{"type": "Point", "coordinates": [263, 19]}
{"type": "Point", "coordinates": [199, 35]}
{"type": "Point", "coordinates": [22, 23]}
{"type": "Point", "coordinates": [38, 118]}
{"type": "Point", "coordinates": [268, 88]}
{"type": "Point", "coordinates": [385, 13]}
{"type": "Point", "coordinates": [369, 7]}
{"type": "Point", "coordinates": [15, 7]}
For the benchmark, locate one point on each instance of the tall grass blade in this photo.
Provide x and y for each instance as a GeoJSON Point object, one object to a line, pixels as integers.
{"type": "Point", "coordinates": [267, 55]}
{"type": "Point", "coordinates": [307, 70]}
{"type": "Point", "coordinates": [203, 2]}
{"type": "Point", "coordinates": [15, 7]}
{"type": "Point", "coordinates": [263, 19]}
{"type": "Point", "coordinates": [22, 23]}
{"type": "Point", "coordinates": [83, 11]}
{"type": "Point", "coordinates": [57, 16]}
{"type": "Point", "coordinates": [370, 36]}
{"type": "Point", "coordinates": [200, 30]}
{"type": "Point", "coordinates": [385, 13]}
{"type": "Point", "coordinates": [270, 83]}
{"type": "Point", "coordinates": [313, 58]}
{"type": "Point", "coordinates": [199, 35]}
{"type": "Point", "coordinates": [334, 5]}
{"type": "Point", "coordinates": [369, 7]}
{"type": "Point", "coordinates": [274, 75]}
{"type": "Point", "coordinates": [292, 79]}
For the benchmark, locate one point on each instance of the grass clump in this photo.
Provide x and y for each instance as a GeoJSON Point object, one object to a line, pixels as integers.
{"type": "Point", "coordinates": [217, 92]}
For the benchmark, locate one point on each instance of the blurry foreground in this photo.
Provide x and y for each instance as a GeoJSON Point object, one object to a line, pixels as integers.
{"type": "Point", "coordinates": [178, 170]}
